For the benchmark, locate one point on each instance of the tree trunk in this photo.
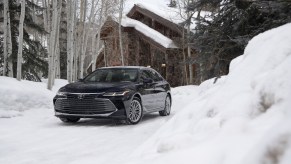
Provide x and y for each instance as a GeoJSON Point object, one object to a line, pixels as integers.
{"type": "Point", "coordinates": [184, 59]}
{"type": "Point", "coordinates": [52, 46]}
{"type": "Point", "coordinates": [70, 39]}
{"type": "Point", "coordinates": [69, 21]}
{"type": "Point", "coordinates": [5, 28]}
{"type": "Point", "coordinates": [7, 42]}
{"type": "Point", "coordinates": [189, 51]}
{"type": "Point", "coordinates": [93, 47]}
{"type": "Point", "coordinates": [75, 42]}
{"type": "Point", "coordinates": [85, 37]}
{"type": "Point", "coordinates": [200, 64]}
{"type": "Point", "coordinates": [45, 18]}
{"type": "Point", "coordinates": [57, 47]}
{"type": "Point", "coordinates": [119, 32]}
{"type": "Point", "coordinates": [95, 55]}
{"type": "Point", "coordinates": [20, 40]}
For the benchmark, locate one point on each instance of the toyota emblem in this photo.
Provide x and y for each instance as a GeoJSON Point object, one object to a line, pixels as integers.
{"type": "Point", "coordinates": [81, 96]}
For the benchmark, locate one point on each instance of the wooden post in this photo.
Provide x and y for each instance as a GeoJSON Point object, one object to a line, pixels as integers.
{"type": "Point", "coordinates": [167, 65]}
{"type": "Point", "coordinates": [137, 52]}
{"type": "Point", "coordinates": [152, 56]}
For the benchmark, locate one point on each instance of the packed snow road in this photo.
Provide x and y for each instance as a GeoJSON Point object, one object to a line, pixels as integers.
{"type": "Point", "coordinates": [39, 137]}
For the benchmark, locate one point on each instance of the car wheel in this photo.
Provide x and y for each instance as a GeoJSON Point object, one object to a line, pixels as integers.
{"type": "Point", "coordinates": [69, 120]}
{"type": "Point", "coordinates": [167, 109]}
{"type": "Point", "coordinates": [135, 111]}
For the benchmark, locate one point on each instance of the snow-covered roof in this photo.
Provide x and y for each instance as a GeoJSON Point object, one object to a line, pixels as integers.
{"type": "Point", "coordinates": [149, 32]}
{"type": "Point", "coordinates": [176, 15]}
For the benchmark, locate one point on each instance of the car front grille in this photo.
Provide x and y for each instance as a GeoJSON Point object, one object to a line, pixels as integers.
{"type": "Point", "coordinates": [84, 104]}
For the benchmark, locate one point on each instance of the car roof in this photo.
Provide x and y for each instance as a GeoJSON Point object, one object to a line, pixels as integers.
{"type": "Point", "coordinates": [134, 67]}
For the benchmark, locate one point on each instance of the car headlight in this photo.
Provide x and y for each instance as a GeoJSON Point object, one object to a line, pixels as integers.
{"type": "Point", "coordinates": [123, 93]}
{"type": "Point", "coordinates": [61, 93]}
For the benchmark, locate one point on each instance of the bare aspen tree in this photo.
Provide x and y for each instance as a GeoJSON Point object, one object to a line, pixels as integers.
{"type": "Point", "coordinates": [20, 40]}
{"type": "Point", "coordinates": [119, 31]}
{"type": "Point", "coordinates": [189, 51]}
{"type": "Point", "coordinates": [69, 21]}
{"type": "Point", "coordinates": [70, 38]}
{"type": "Point", "coordinates": [75, 58]}
{"type": "Point", "coordinates": [79, 40]}
{"type": "Point", "coordinates": [188, 44]}
{"type": "Point", "coordinates": [85, 33]}
{"type": "Point", "coordinates": [181, 6]}
{"type": "Point", "coordinates": [52, 47]}
{"type": "Point", "coordinates": [45, 19]}
{"type": "Point", "coordinates": [57, 46]}
{"type": "Point", "coordinates": [81, 35]}
{"type": "Point", "coordinates": [95, 55]}
{"type": "Point", "coordinates": [34, 34]}
{"type": "Point", "coordinates": [5, 28]}
{"type": "Point", "coordinates": [93, 43]}
{"type": "Point", "coordinates": [7, 41]}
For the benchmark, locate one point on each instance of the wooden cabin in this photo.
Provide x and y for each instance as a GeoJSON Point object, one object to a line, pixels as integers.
{"type": "Point", "coordinates": [148, 40]}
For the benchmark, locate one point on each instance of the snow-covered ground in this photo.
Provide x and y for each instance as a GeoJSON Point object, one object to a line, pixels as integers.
{"type": "Point", "coordinates": [244, 117]}
{"type": "Point", "coordinates": [36, 136]}
{"type": "Point", "coordinates": [16, 96]}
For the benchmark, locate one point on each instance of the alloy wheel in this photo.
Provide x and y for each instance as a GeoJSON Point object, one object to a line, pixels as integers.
{"type": "Point", "coordinates": [168, 105]}
{"type": "Point", "coordinates": [135, 111]}
{"type": "Point", "coordinates": [167, 109]}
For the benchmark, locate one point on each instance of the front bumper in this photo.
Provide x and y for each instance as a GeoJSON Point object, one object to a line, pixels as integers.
{"type": "Point", "coordinates": [90, 106]}
{"type": "Point", "coordinates": [114, 115]}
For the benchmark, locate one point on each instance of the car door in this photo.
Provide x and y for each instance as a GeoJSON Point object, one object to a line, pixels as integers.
{"type": "Point", "coordinates": [147, 91]}
{"type": "Point", "coordinates": [160, 90]}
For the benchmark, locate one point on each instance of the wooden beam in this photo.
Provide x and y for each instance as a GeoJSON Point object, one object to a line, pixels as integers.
{"type": "Point", "coordinates": [167, 66]}
{"type": "Point", "coordinates": [151, 41]}
{"type": "Point", "coordinates": [156, 17]}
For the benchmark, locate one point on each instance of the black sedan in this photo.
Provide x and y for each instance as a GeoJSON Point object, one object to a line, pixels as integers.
{"type": "Point", "coordinates": [123, 93]}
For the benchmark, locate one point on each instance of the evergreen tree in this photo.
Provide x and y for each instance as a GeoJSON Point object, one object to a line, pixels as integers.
{"type": "Point", "coordinates": [34, 53]}
{"type": "Point", "coordinates": [224, 37]}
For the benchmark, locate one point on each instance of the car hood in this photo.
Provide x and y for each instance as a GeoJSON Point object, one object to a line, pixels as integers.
{"type": "Point", "coordinates": [90, 87]}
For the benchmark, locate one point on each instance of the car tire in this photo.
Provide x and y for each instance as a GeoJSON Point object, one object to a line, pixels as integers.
{"type": "Point", "coordinates": [69, 120]}
{"type": "Point", "coordinates": [167, 109]}
{"type": "Point", "coordinates": [135, 112]}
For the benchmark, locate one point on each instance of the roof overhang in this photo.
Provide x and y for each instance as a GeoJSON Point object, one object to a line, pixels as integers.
{"type": "Point", "coordinates": [173, 26]}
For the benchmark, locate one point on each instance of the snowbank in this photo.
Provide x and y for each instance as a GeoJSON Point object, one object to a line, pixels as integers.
{"type": "Point", "coordinates": [243, 118]}
{"type": "Point", "coordinates": [16, 96]}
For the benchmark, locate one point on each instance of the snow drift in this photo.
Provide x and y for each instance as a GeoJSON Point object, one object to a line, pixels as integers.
{"type": "Point", "coordinates": [243, 118]}
{"type": "Point", "coordinates": [17, 96]}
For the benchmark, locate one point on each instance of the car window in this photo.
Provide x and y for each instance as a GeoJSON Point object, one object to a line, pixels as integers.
{"type": "Point", "coordinates": [145, 75]}
{"type": "Point", "coordinates": [157, 76]}
{"type": "Point", "coordinates": [154, 75]}
{"type": "Point", "coordinates": [113, 75]}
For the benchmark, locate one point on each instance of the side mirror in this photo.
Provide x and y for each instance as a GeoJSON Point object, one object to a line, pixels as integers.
{"type": "Point", "coordinates": [80, 80]}
{"type": "Point", "coordinates": [148, 81]}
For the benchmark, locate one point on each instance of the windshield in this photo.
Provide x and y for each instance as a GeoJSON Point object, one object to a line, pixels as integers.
{"type": "Point", "coordinates": [113, 75]}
